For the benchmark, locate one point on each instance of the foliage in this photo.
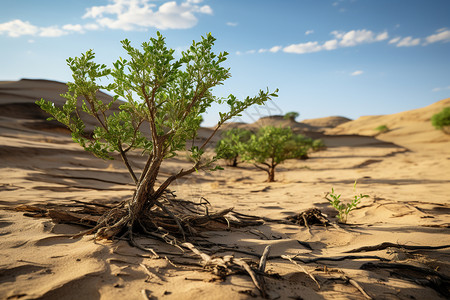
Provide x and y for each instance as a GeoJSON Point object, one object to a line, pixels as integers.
{"type": "Point", "coordinates": [163, 94]}
{"type": "Point", "coordinates": [230, 145]}
{"type": "Point", "coordinates": [382, 129]}
{"type": "Point", "coordinates": [318, 145]}
{"type": "Point", "coordinates": [271, 146]}
{"type": "Point", "coordinates": [441, 120]}
{"type": "Point", "coordinates": [292, 115]}
{"type": "Point", "coordinates": [344, 209]}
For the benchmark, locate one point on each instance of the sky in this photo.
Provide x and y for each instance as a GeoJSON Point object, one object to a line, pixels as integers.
{"type": "Point", "coordinates": [346, 58]}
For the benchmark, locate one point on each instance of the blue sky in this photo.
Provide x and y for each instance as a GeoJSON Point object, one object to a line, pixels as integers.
{"type": "Point", "coordinates": [327, 57]}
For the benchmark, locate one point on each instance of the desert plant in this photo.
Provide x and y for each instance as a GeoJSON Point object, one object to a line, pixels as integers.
{"type": "Point", "coordinates": [292, 115]}
{"type": "Point", "coordinates": [344, 208]}
{"type": "Point", "coordinates": [318, 145]}
{"type": "Point", "coordinates": [229, 146]}
{"type": "Point", "coordinates": [271, 145]}
{"type": "Point", "coordinates": [441, 120]}
{"type": "Point", "coordinates": [382, 129]}
{"type": "Point", "coordinates": [166, 95]}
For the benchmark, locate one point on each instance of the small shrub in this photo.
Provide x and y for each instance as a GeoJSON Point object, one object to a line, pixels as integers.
{"type": "Point", "coordinates": [382, 129]}
{"type": "Point", "coordinates": [271, 145]}
{"type": "Point", "coordinates": [318, 145]}
{"type": "Point", "coordinates": [441, 120]}
{"type": "Point", "coordinates": [344, 209]}
{"type": "Point", "coordinates": [229, 146]}
{"type": "Point", "coordinates": [292, 115]}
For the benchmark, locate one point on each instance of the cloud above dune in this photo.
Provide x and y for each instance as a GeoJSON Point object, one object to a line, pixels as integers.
{"type": "Point", "coordinates": [357, 73]}
{"type": "Point", "coordinates": [341, 39]}
{"type": "Point", "coordinates": [119, 14]}
{"type": "Point", "coordinates": [17, 28]}
{"type": "Point", "coordinates": [139, 14]}
{"type": "Point", "coordinates": [441, 35]}
{"type": "Point", "coordinates": [355, 38]}
{"type": "Point", "coordinates": [408, 41]}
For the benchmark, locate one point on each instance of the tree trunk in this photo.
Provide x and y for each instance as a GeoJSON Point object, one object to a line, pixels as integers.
{"type": "Point", "coordinates": [271, 173]}
{"type": "Point", "coordinates": [145, 190]}
{"type": "Point", "coordinates": [234, 164]}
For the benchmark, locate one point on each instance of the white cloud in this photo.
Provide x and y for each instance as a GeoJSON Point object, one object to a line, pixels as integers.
{"type": "Point", "coordinates": [382, 36]}
{"type": "Point", "coordinates": [357, 73]}
{"type": "Point", "coordinates": [395, 40]}
{"type": "Point", "coordinates": [18, 28]}
{"type": "Point", "coordinates": [76, 28]}
{"type": "Point", "coordinates": [342, 39]}
{"type": "Point", "coordinates": [442, 35]}
{"type": "Point", "coordinates": [330, 45]}
{"type": "Point", "coordinates": [302, 48]}
{"type": "Point", "coordinates": [120, 14]}
{"type": "Point", "coordinates": [52, 31]}
{"type": "Point", "coordinates": [408, 42]}
{"type": "Point", "coordinates": [232, 24]}
{"type": "Point", "coordinates": [138, 14]}
{"type": "Point", "coordinates": [356, 37]}
{"type": "Point", "coordinates": [308, 32]}
{"type": "Point", "coordinates": [438, 89]}
{"type": "Point", "coordinates": [275, 49]}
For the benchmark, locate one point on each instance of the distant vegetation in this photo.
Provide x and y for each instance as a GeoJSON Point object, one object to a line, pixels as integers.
{"type": "Point", "coordinates": [441, 120]}
{"type": "Point", "coordinates": [291, 115]}
{"type": "Point", "coordinates": [230, 145]}
{"type": "Point", "coordinates": [269, 147]}
{"type": "Point", "coordinates": [382, 129]}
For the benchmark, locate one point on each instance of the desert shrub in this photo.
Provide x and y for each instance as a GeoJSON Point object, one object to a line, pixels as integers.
{"type": "Point", "coordinates": [230, 145]}
{"type": "Point", "coordinates": [292, 115]}
{"type": "Point", "coordinates": [271, 145]}
{"type": "Point", "coordinates": [441, 120]}
{"type": "Point", "coordinates": [344, 209]}
{"type": "Point", "coordinates": [163, 94]}
{"type": "Point", "coordinates": [382, 129]}
{"type": "Point", "coordinates": [318, 145]}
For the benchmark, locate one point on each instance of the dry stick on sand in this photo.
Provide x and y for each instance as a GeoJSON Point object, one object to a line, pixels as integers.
{"type": "Point", "coordinates": [356, 285]}
{"type": "Point", "coordinates": [206, 259]}
{"type": "Point", "coordinates": [263, 260]}
{"type": "Point", "coordinates": [385, 245]}
{"type": "Point", "coordinates": [301, 268]}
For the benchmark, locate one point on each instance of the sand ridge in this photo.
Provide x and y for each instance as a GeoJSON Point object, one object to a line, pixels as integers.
{"type": "Point", "coordinates": [405, 172]}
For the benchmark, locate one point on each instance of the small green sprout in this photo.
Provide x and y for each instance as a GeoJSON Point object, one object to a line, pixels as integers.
{"type": "Point", "coordinates": [344, 209]}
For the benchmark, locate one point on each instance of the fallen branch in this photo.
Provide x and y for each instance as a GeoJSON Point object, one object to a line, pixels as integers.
{"type": "Point", "coordinates": [259, 285]}
{"type": "Point", "coordinates": [263, 260]}
{"type": "Point", "coordinates": [356, 285]}
{"type": "Point", "coordinates": [301, 268]}
{"type": "Point", "coordinates": [385, 245]}
{"type": "Point", "coordinates": [340, 258]}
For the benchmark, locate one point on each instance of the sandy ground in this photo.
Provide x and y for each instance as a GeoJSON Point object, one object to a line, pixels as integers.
{"type": "Point", "coordinates": [405, 171]}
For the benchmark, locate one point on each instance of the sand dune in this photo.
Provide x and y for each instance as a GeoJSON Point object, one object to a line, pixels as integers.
{"type": "Point", "coordinates": [405, 172]}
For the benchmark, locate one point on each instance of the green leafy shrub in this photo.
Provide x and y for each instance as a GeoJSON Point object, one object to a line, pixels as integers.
{"type": "Point", "coordinates": [292, 115]}
{"type": "Point", "coordinates": [271, 145]}
{"type": "Point", "coordinates": [441, 120]}
{"type": "Point", "coordinates": [344, 208]}
{"type": "Point", "coordinates": [230, 145]}
{"type": "Point", "coordinates": [382, 129]}
{"type": "Point", "coordinates": [163, 94]}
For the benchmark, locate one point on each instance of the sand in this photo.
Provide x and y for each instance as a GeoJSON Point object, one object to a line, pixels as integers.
{"type": "Point", "coordinates": [404, 171]}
